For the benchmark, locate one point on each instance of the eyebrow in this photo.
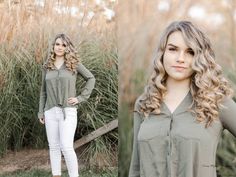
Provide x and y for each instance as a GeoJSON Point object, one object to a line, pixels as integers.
{"type": "Point", "coordinates": [61, 43]}
{"type": "Point", "coordinates": [177, 46]}
{"type": "Point", "coordinates": [172, 45]}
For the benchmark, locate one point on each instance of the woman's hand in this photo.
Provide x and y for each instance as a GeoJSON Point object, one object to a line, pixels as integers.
{"type": "Point", "coordinates": [73, 100]}
{"type": "Point", "coordinates": [42, 120]}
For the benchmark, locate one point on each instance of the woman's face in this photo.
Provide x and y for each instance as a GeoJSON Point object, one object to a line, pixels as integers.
{"type": "Point", "coordinates": [178, 58]}
{"type": "Point", "coordinates": [59, 47]}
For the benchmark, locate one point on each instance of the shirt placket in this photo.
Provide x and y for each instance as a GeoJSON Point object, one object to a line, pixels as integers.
{"type": "Point", "coordinates": [59, 99]}
{"type": "Point", "coordinates": [169, 134]}
{"type": "Point", "coordinates": [58, 87]}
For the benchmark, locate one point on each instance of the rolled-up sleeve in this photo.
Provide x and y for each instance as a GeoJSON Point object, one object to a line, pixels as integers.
{"type": "Point", "coordinates": [43, 95]}
{"type": "Point", "coordinates": [90, 82]}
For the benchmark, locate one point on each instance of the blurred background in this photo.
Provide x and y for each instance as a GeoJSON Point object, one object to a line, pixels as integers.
{"type": "Point", "coordinates": [27, 30]}
{"type": "Point", "coordinates": [139, 26]}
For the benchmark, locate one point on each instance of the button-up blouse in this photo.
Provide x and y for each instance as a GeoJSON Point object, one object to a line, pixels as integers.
{"type": "Point", "coordinates": [60, 84]}
{"type": "Point", "coordinates": [175, 144]}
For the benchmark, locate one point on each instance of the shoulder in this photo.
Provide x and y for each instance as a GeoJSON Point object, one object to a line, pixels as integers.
{"type": "Point", "coordinates": [227, 107]}
{"type": "Point", "coordinates": [226, 103]}
{"type": "Point", "coordinates": [43, 68]}
{"type": "Point", "coordinates": [137, 104]}
{"type": "Point", "coordinates": [227, 115]}
{"type": "Point", "coordinates": [81, 68]}
{"type": "Point", "coordinates": [80, 65]}
{"type": "Point", "coordinates": [138, 115]}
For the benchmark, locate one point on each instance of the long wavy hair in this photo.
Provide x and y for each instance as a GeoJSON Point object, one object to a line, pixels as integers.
{"type": "Point", "coordinates": [71, 58]}
{"type": "Point", "coordinates": [208, 87]}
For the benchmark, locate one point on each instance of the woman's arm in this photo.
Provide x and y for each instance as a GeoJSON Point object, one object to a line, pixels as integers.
{"type": "Point", "coordinates": [90, 82]}
{"type": "Point", "coordinates": [134, 170]}
{"type": "Point", "coordinates": [43, 95]}
{"type": "Point", "coordinates": [228, 115]}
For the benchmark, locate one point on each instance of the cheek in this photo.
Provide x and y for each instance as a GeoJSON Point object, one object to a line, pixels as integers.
{"type": "Point", "coordinates": [191, 71]}
{"type": "Point", "coordinates": [166, 61]}
{"type": "Point", "coordinates": [191, 63]}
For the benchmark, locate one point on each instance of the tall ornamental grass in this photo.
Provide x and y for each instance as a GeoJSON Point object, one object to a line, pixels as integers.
{"type": "Point", "coordinates": [19, 95]}
{"type": "Point", "coordinates": [26, 37]}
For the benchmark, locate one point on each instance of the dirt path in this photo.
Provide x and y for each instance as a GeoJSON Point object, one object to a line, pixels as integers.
{"type": "Point", "coordinates": [39, 159]}
{"type": "Point", "coordinates": [24, 160]}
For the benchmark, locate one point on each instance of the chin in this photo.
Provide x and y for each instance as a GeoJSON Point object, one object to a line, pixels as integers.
{"type": "Point", "coordinates": [180, 78]}
{"type": "Point", "coordinates": [61, 55]}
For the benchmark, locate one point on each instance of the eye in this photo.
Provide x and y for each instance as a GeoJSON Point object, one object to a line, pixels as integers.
{"type": "Point", "coordinates": [64, 45]}
{"type": "Point", "coordinates": [172, 49]}
{"type": "Point", "coordinates": [191, 52]}
{"type": "Point", "coordinates": [57, 44]}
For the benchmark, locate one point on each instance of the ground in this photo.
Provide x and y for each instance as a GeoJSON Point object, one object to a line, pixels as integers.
{"type": "Point", "coordinates": [26, 160]}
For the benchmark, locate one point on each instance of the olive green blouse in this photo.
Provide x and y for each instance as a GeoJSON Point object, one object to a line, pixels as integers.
{"type": "Point", "coordinates": [60, 84]}
{"type": "Point", "coordinates": [175, 144]}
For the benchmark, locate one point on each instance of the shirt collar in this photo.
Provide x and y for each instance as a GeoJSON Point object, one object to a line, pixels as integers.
{"type": "Point", "coordinates": [182, 107]}
{"type": "Point", "coordinates": [63, 66]}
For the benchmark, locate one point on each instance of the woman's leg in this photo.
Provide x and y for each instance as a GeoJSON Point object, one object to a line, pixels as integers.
{"type": "Point", "coordinates": [67, 132]}
{"type": "Point", "coordinates": [52, 130]}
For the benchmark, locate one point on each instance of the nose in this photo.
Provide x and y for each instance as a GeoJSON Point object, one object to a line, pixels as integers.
{"type": "Point", "coordinates": [180, 57]}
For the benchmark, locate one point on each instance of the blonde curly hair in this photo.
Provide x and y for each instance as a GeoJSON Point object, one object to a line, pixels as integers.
{"type": "Point", "coordinates": [71, 58]}
{"type": "Point", "coordinates": [208, 87]}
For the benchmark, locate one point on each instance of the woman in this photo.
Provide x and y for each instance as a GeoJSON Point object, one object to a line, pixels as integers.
{"type": "Point", "coordinates": [58, 100]}
{"type": "Point", "coordinates": [179, 118]}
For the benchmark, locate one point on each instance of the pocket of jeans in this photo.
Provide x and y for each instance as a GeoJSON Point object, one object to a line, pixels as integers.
{"type": "Point", "coordinates": [71, 112]}
{"type": "Point", "coordinates": [48, 112]}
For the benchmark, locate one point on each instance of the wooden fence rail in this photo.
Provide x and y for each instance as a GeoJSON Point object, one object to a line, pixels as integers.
{"type": "Point", "coordinates": [96, 133]}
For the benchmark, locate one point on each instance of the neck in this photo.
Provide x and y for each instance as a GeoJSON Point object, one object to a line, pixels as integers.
{"type": "Point", "coordinates": [177, 87]}
{"type": "Point", "coordinates": [59, 58]}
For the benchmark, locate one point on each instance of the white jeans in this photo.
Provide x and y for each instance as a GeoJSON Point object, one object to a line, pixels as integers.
{"type": "Point", "coordinates": [60, 135]}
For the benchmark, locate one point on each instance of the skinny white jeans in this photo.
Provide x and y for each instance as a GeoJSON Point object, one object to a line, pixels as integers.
{"type": "Point", "coordinates": [60, 134]}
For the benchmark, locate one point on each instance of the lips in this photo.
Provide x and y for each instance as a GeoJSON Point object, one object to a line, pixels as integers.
{"type": "Point", "coordinates": [181, 67]}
